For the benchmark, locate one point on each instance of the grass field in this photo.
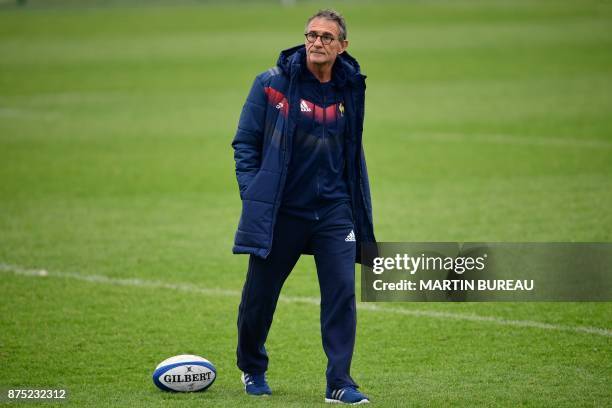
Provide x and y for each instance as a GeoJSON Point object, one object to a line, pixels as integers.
{"type": "Point", "coordinates": [485, 121]}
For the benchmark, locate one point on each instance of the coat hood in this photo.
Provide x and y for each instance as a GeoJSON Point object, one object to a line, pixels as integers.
{"type": "Point", "coordinates": [346, 68]}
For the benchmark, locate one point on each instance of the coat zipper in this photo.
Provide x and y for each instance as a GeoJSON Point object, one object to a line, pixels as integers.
{"type": "Point", "coordinates": [323, 141]}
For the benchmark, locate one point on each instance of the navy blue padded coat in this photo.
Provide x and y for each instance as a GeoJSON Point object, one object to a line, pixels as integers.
{"type": "Point", "coordinates": [263, 142]}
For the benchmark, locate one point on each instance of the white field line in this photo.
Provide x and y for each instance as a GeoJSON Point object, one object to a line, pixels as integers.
{"type": "Point", "coordinates": [27, 113]}
{"type": "Point", "coordinates": [370, 307]}
{"type": "Point", "coordinates": [513, 140]}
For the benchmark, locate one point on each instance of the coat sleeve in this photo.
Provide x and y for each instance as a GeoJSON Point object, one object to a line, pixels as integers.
{"type": "Point", "coordinates": [247, 143]}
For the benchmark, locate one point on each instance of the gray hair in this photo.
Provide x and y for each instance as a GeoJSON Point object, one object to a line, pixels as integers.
{"type": "Point", "coordinates": [332, 15]}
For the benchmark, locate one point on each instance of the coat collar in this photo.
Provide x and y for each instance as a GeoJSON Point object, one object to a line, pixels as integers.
{"type": "Point", "coordinates": [346, 68]}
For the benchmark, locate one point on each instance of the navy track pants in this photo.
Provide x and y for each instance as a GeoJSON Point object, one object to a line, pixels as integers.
{"type": "Point", "coordinates": [329, 240]}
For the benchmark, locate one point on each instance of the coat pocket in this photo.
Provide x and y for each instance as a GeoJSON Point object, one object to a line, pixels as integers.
{"type": "Point", "coordinates": [263, 187]}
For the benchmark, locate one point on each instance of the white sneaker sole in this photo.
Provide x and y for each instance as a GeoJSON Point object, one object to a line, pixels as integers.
{"type": "Point", "coordinates": [335, 401]}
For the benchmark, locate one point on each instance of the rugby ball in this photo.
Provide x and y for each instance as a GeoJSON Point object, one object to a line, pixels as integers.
{"type": "Point", "coordinates": [184, 373]}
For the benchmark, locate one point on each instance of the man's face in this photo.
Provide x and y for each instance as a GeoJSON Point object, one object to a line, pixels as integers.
{"type": "Point", "coordinates": [319, 53]}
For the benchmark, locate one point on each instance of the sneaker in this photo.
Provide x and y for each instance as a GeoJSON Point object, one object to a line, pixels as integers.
{"type": "Point", "coordinates": [346, 395]}
{"type": "Point", "coordinates": [256, 384]}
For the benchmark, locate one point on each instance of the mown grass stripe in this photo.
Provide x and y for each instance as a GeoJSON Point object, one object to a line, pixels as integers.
{"type": "Point", "coordinates": [508, 139]}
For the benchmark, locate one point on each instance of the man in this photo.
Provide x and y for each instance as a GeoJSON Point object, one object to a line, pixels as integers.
{"type": "Point", "coordinates": [304, 189]}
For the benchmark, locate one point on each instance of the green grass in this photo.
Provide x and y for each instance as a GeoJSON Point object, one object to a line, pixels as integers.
{"type": "Point", "coordinates": [485, 121]}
